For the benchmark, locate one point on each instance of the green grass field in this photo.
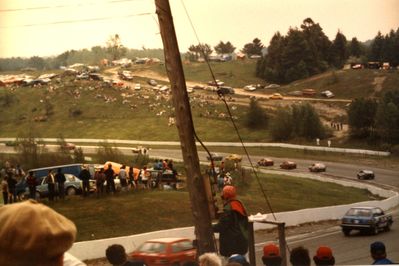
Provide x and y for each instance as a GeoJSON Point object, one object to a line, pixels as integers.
{"type": "Point", "coordinates": [145, 211]}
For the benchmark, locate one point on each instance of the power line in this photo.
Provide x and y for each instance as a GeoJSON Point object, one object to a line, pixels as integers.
{"type": "Point", "coordinates": [75, 21]}
{"type": "Point", "coordinates": [64, 6]}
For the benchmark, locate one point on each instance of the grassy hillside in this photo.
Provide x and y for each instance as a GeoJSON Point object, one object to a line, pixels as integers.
{"type": "Point", "coordinates": [89, 109]}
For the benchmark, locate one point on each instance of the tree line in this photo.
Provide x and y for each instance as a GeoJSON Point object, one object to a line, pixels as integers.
{"type": "Point", "coordinates": [112, 50]}
{"type": "Point", "coordinates": [296, 121]}
{"type": "Point", "coordinates": [376, 121]}
{"type": "Point", "coordinates": [307, 51]}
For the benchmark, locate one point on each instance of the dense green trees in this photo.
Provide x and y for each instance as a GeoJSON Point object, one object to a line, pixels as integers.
{"type": "Point", "coordinates": [253, 48]}
{"type": "Point", "coordinates": [256, 117]}
{"type": "Point", "coordinates": [361, 117]}
{"type": "Point", "coordinates": [299, 54]}
{"type": "Point", "coordinates": [224, 48]}
{"type": "Point", "coordinates": [197, 51]}
{"type": "Point", "coordinates": [298, 121]}
{"type": "Point", "coordinates": [307, 51]}
{"type": "Point", "coordinates": [375, 120]}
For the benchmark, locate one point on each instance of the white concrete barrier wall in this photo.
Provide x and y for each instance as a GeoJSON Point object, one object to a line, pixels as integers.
{"type": "Point", "coordinates": [96, 248]}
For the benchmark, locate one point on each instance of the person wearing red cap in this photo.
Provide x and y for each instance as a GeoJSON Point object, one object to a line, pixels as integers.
{"type": "Point", "coordinates": [324, 256]}
{"type": "Point", "coordinates": [271, 255]}
{"type": "Point", "coordinates": [233, 225]}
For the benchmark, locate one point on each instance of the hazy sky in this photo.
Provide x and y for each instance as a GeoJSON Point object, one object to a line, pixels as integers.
{"type": "Point", "coordinates": [50, 27]}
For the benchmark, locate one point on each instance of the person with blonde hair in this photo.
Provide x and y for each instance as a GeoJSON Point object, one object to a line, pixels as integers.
{"type": "Point", "coordinates": [210, 259]}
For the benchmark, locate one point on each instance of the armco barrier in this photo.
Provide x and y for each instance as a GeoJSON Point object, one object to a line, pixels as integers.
{"type": "Point", "coordinates": [225, 144]}
{"type": "Point", "coordinates": [96, 248]}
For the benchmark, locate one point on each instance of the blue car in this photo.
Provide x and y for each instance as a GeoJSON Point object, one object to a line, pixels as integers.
{"type": "Point", "coordinates": [366, 219]}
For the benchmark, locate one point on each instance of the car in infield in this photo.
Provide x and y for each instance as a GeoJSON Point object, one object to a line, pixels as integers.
{"type": "Point", "coordinates": [165, 251]}
{"type": "Point", "coordinates": [366, 219]}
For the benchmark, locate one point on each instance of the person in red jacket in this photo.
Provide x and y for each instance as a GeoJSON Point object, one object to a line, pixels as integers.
{"type": "Point", "coordinates": [233, 225]}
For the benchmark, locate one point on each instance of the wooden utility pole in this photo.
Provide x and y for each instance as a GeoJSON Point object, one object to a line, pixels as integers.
{"type": "Point", "coordinates": [184, 123]}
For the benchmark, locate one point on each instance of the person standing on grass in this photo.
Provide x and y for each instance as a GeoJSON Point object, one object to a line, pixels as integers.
{"type": "Point", "coordinates": [85, 177]}
{"type": "Point", "coordinates": [122, 177]}
{"type": "Point", "coordinates": [130, 175]}
{"type": "Point", "coordinates": [4, 190]}
{"type": "Point", "coordinates": [99, 176]}
{"type": "Point", "coordinates": [110, 175]}
{"type": "Point", "coordinates": [60, 178]}
{"type": "Point", "coordinates": [50, 185]}
{"type": "Point", "coordinates": [144, 177]}
{"type": "Point", "coordinates": [31, 180]}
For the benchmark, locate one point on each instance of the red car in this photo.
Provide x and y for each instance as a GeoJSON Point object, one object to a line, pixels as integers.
{"type": "Point", "coordinates": [265, 162]}
{"type": "Point", "coordinates": [165, 251]}
{"type": "Point", "coordinates": [288, 165]}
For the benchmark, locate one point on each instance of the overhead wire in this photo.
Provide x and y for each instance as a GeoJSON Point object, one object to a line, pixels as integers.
{"type": "Point", "coordinates": [221, 96]}
{"type": "Point", "coordinates": [64, 6]}
{"type": "Point", "coordinates": [75, 21]}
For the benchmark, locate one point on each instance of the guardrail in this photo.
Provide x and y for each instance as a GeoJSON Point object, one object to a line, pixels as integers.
{"type": "Point", "coordinates": [222, 144]}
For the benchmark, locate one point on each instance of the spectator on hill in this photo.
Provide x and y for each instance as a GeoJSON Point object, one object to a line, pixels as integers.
{"type": "Point", "coordinates": [378, 253]}
{"type": "Point", "coordinates": [271, 255]}
{"type": "Point", "coordinates": [122, 177]}
{"type": "Point", "coordinates": [324, 256]}
{"type": "Point", "coordinates": [85, 177]}
{"type": "Point", "coordinates": [31, 181]}
{"type": "Point", "coordinates": [233, 225]}
{"type": "Point", "coordinates": [60, 178]}
{"type": "Point", "coordinates": [116, 255]}
{"type": "Point", "coordinates": [130, 175]}
{"type": "Point", "coordinates": [110, 175]}
{"type": "Point", "coordinates": [50, 179]}
{"type": "Point", "coordinates": [4, 190]}
{"type": "Point", "coordinates": [209, 259]}
{"type": "Point", "coordinates": [34, 234]}
{"type": "Point", "coordinates": [144, 177]}
{"type": "Point", "coordinates": [12, 182]}
{"type": "Point", "coordinates": [99, 176]}
{"type": "Point", "coordinates": [300, 257]}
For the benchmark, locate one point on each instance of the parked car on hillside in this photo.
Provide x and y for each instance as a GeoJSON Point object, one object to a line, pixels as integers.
{"type": "Point", "coordinates": [165, 251]}
{"type": "Point", "coordinates": [308, 92]}
{"type": "Point", "coordinates": [317, 167]}
{"type": "Point", "coordinates": [265, 162]}
{"type": "Point", "coordinates": [365, 174]}
{"type": "Point", "coordinates": [276, 96]}
{"type": "Point", "coordinates": [366, 219]}
{"type": "Point", "coordinates": [288, 165]}
{"type": "Point", "coordinates": [226, 90]}
{"type": "Point", "coordinates": [327, 94]}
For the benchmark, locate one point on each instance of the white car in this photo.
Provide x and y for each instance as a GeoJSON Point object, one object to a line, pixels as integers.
{"type": "Point", "coordinates": [250, 88]}
{"type": "Point", "coordinates": [327, 94]}
{"type": "Point", "coordinates": [137, 86]}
